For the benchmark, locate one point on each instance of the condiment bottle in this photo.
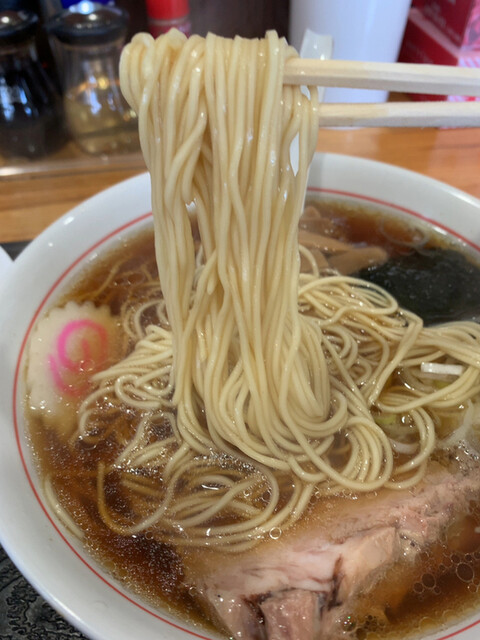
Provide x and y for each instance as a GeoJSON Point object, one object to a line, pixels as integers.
{"type": "Point", "coordinates": [31, 122]}
{"type": "Point", "coordinates": [84, 6]}
{"type": "Point", "coordinates": [168, 14]}
{"type": "Point", "coordinates": [98, 117]}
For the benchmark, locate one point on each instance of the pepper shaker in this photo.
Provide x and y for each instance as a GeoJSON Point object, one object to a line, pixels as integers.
{"type": "Point", "coordinates": [31, 122]}
{"type": "Point", "coordinates": [97, 115]}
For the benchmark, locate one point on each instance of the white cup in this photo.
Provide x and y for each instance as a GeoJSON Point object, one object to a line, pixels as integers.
{"type": "Point", "coordinates": [365, 30]}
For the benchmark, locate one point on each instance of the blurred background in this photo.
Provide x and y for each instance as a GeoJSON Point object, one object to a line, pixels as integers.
{"type": "Point", "coordinates": [60, 103]}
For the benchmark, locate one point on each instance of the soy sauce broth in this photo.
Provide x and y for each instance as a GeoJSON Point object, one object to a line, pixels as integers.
{"type": "Point", "coordinates": [153, 570]}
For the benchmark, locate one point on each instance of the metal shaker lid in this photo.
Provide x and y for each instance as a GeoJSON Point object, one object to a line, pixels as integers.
{"type": "Point", "coordinates": [99, 26]}
{"type": "Point", "coordinates": [17, 26]}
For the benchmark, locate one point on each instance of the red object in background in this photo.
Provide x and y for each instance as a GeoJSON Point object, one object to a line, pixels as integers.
{"type": "Point", "coordinates": [164, 15]}
{"type": "Point", "coordinates": [458, 19]}
{"type": "Point", "coordinates": [424, 43]}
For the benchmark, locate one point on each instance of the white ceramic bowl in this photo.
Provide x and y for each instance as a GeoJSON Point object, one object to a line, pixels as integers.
{"type": "Point", "coordinates": [54, 563]}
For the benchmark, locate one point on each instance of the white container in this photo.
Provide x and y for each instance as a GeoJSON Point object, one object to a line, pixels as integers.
{"type": "Point", "coordinates": [365, 30]}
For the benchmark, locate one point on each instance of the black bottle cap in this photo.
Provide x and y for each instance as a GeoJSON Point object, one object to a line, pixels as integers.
{"type": "Point", "coordinates": [100, 26]}
{"type": "Point", "coordinates": [17, 26]}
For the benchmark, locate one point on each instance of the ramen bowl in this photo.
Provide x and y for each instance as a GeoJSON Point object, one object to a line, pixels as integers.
{"type": "Point", "coordinates": [52, 560]}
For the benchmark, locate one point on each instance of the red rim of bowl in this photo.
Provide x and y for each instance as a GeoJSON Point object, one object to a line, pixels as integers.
{"type": "Point", "coordinates": [15, 404]}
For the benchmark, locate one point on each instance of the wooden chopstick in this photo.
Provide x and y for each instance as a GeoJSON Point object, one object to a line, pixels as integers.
{"type": "Point", "coordinates": [397, 76]}
{"type": "Point", "coordinates": [400, 114]}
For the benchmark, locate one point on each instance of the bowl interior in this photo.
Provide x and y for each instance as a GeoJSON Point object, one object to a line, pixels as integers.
{"type": "Point", "coordinates": [51, 560]}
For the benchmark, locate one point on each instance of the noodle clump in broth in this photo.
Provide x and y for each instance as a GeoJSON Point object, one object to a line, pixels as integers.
{"type": "Point", "coordinates": [259, 385]}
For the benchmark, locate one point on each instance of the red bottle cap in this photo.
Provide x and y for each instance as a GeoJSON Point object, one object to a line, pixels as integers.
{"type": "Point", "coordinates": [167, 9]}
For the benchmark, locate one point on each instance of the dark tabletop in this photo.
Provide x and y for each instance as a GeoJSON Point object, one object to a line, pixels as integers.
{"type": "Point", "coordinates": [23, 613]}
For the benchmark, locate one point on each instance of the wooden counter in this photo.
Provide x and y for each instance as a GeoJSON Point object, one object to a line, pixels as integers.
{"type": "Point", "coordinates": [32, 198]}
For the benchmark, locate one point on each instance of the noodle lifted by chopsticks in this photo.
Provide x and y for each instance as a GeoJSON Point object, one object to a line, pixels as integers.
{"type": "Point", "coordinates": [273, 383]}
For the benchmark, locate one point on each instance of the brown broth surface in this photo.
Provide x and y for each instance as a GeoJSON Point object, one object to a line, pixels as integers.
{"type": "Point", "coordinates": [360, 224]}
{"type": "Point", "coordinates": [444, 582]}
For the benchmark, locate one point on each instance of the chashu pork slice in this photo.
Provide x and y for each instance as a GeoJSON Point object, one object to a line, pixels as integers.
{"type": "Point", "coordinates": [304, 585]}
